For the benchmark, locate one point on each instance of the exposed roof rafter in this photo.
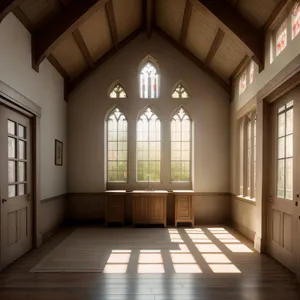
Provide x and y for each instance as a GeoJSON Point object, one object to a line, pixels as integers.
{"type": "Point", "coordinates": [83, 48]}
{"type": "Point", "coordinates": [149, 17]}
{"type": "Point", "coordinates": [251, 37]}
{"type": "Point", "coordinates": [186, 21]}
{"type": "Point", "coordinates": [7, 6]}
{"type": "Point", "coordinates": [240, 68]}
{"type": "Point", "coordinates": [54, 62]}
{"type": "Point", "coordinates": [216, 78]}
{"type": "Point", "coordinates": [103, 59]}
{"type": "Point", "coordinates": [109, 7]}
{"type": "Point", "coordinates": [279, 13]}
{"type": "Point", "coordinates": [66, 22]}
{"type": "Point", "coordinates": [214, 46]}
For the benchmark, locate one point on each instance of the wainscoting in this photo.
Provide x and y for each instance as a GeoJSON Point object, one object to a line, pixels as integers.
{"type": "Point", "coordinates": [210, 208]}
{"type": "Point", "coordinates": [243, 216]}
{"type": "Point", "coordinates": [52, 215]}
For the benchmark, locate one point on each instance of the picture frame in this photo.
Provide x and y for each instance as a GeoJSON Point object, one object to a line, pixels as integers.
{"type": "Point", "coordinates": [58, 150]}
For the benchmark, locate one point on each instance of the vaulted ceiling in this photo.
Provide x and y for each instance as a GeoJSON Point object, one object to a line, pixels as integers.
{"type": "Point", "coordinates": [219, 36]}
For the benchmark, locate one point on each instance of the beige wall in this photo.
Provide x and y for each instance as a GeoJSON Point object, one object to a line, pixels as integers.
{"type": "Point", "coordinates": [46, 90]}
{"type": "Point", "coordinates": [89, 104]}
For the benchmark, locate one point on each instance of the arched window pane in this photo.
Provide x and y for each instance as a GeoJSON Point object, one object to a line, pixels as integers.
{"type": "Point", "coordinates": [149, 83]}
{"type": "Point", "coordinates": [243, 83]}
{"type": "Point", "coordinates": [117, 92]}
{"type": "Point", "coordinates": [116, 147]}
{"type": "Point", "coordinates": [296, 20]}
{"type": "Point", "coordinates": [148, 147]}
{"type": "Point", "coordinates": [181, 146]}
{"type": "Point", "coordinates": [180, 92]}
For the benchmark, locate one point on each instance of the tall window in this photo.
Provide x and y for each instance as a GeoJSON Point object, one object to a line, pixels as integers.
{"type": "Point", "coordinates": [281, 38]}
{"type": "Point", "coordinates": [148, 146]}
{"type": "Point", "coordinates": [243, 83]}
{"type": "Point", "coordinates": [149, 83]}
{"type": "Point", "coordinates": [117, 92]}
{"type": "Point", "coordinates": [181, 146]}
{"type": "Point", "coordinates": [285, 151]}
{"type": "Point", "coordinates": [180, 92]}
{"type": "Point", "coordinates": [247, 152]}
{"type": "Point", "coordinates": [296, 20]}
{"type": "Point", "coordinates": [116, 147]}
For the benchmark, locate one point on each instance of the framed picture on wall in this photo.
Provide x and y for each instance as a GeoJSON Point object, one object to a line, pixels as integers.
{"type": "Point", "coordinates": [58, 153]}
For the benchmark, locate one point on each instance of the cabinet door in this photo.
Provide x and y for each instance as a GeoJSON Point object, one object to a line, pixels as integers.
{"type": "Point", "coordinates": [114, 208]}
{"type": "Point", "coordinates": [157, 209]}
{"type": "Point", "coordinates": [140, 209]}
{"type": "Point", "coordinates": [183, 208]}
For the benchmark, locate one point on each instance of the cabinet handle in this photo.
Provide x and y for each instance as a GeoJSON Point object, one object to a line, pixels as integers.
{"type": "Point", "coordinates": [4, 200]}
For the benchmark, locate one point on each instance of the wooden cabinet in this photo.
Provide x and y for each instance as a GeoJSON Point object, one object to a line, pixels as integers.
{"type": "Point", "coordinates": [184, 211]}
{"type": "Point", "coordinates": [114, 207]}
{"type": "Point", "coordinates": [149, 209]}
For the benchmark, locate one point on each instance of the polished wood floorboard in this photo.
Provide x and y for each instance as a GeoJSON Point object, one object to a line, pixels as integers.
{"type": "Point", "coordinates": [261, 278]}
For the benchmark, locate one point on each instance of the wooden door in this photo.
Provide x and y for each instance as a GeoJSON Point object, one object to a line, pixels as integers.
{"type": "Point", "coordinates": [157, 209]}
{"type": "Point", "coordinates": [15, 179]}
{"type": "Point", "coordinates": [284, 197]}
{"type": "Point", "coordinates": [140, 210]}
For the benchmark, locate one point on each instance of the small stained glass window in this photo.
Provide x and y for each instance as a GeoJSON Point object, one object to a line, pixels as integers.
{"type": "Point", "coordinates": [243, 83]}
{"type": "Point", "coordinates": [251, 72]}
{"type": "Point", "coordinates": [149, 81]}
{"type": "Point", "coordinates": [180, 92]}
{"type": "Point", "coordinates": [281, 38]}
{"type": "Point", "coordinates": [296, 20]}
{"type": "Point", "coordinates": [117, 92]}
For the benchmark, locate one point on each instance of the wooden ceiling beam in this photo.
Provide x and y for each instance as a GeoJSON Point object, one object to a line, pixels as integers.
{"type": "Point", "coordinates": [186, 21]}
{"type": "Point", "coordinates": [7, 6]}
{"type": "Point", "coordinates": [215, 77]}
{"type": "Point", "coordinates": [109, 7]}
{"type": "Point", "coordinates": [23, 18]}
{"type": "Point", "coordinates": [83, 48]}
{"type": "Point", "coordinates": [54, 62]}
{"type": "Point", "coordinates": [45, 39]}
{"type": "Point", "coordinates": [251, 37]}
{"type": "Point", "coordinates": [149, 17]}
{"type": "Point", "coordinates": [233, 2]}
{"type": "Point", "coordinates": [65, 2]}
{"type": "Point", "coordinates": [214, 46]}
{"type": "Point", "coordinates": [279, 13]}
{"type": "Point", "coordinates": [103, 59]}
{"type": "Point", "coordinates": [240, 68]}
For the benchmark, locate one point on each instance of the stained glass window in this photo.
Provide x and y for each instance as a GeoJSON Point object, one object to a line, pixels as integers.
{"type": "Point", "coordinates": [117, 147]}
{"type": "Point", "coordinates": [296, 20]}
{"type": "Point", "coordinates": [180, 146]}
{"type": "Point", "coordinates": [180, 92]}
{"type": "Point", "coordinates": [281, 38]}
{"type": "Point", "coordinates": [251, 72]}
{"type": "Point", "coordinates": [148, 146]}
{"type": "Point", "coordinates": [149, 83]}
{"type": "Point", "coordinates": [243, 83]}
{"type": "Point", "coordinates": [117, 92]}
{"type": "Point", "coordinates": [285, 151]}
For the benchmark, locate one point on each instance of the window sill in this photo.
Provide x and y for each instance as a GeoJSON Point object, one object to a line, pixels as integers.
{"type": "Point", "coordinates": [246, 199]}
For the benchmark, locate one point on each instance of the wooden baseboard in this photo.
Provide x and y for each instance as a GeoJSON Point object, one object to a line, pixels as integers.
{"type": "Point", "coordinates": [244, 230]}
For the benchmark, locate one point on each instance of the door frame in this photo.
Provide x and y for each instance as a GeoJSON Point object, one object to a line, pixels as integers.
{"type": "Point", "coordinates": [12, 99]}
{"type": "Point", "coordinates": [291, 94]}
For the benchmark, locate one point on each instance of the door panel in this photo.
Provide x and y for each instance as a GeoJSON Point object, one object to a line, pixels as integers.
{"type": "Point", "coordinates": [283, 212]}
{"type": "Point", "coordinates": [157, 209]}
{"type": "Point", "coordinates": [140, 206]}
{"type": "Point", "coordinates": [15, 178]}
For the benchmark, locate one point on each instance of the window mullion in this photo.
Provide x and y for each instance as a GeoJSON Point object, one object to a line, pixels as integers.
{"type": "Point", "coordinates": [244, 160]}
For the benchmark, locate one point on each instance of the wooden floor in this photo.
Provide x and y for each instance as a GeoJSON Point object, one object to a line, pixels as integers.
{"type": "Point", "coordinates": [248, 275]}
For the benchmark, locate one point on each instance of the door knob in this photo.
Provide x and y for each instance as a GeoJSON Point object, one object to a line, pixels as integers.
{"type": "Point", "coordinates": [28, 197]}
{"type": "Point", "coordinates": [4, 200]}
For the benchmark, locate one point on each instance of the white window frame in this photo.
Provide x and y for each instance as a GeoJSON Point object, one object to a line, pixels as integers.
{"type": "Point", "coordinates": [246, 177]}
{"type": "Point", "coordinates": [190, 142]}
